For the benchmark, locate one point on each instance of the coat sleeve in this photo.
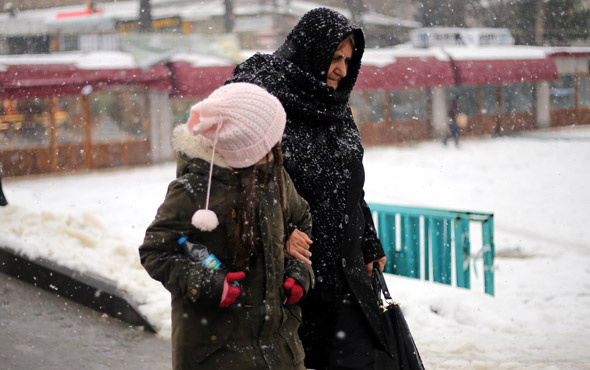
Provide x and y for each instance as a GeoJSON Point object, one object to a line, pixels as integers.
{"type": "Point", "coordinates": [299, 217]}
{"type": "Point", "coordinates": [165, 261]}
{"type": "Point", "coordinates": [371, 246]}
{"type": "Point", "coordinates": [298, 210]}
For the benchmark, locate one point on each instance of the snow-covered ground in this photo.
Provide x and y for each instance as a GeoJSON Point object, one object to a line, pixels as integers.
{"type": "Point", "coordinates": [537, 185]}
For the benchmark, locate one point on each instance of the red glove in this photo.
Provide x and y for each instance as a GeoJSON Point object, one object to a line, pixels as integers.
{"type": "Point", "coordinates": [293, 290]}
{"type": "Point", "coordinates": [231, 293]}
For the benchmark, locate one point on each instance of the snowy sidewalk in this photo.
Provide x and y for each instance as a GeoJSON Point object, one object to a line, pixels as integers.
{"type": "Point", "coordinates": [538, 190]}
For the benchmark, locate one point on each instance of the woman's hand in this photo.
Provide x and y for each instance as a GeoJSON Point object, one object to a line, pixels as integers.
{"type": "Point", "coordinates": [298, 246]}
{"type": "Point", "coordinates": [380, 262]}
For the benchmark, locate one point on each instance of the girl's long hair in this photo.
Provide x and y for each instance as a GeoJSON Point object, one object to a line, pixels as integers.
{"type": "Point", "coordinates": [246, 231]}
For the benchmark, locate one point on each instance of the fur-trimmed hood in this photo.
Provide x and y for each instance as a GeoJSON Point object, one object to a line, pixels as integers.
{"type": "Point", "coordinates": [194, 154]}
{"type": "Point", "coordinates": [194, 146]}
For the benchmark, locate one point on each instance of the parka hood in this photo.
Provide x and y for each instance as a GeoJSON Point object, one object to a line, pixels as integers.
{"type": "Point", "coordinates": [194, 152]}
{"type": "Point", "coordinates": [194, 155]}
{"type": "Point", "coordinates": [194, 146]}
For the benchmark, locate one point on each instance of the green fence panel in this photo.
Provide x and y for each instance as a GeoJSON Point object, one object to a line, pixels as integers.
{"type": "Point", "coordinates": [462, 252]}
{"type": "Point", "coordinates": [387, 235]}
{"type": "Point", "coordinates": [426, 237]}
{"type": "Point", "coordinates": [409, 256]}
{"type": "Point", "coordinates": [441, 250]}
{"type": "Point", "coordinates": [407, 243]}
{"type": "Point", "coordinates": [488, 254]}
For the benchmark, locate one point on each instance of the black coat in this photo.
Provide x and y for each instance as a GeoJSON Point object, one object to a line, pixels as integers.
{"type": "Point", "coordinates": [323, 155]}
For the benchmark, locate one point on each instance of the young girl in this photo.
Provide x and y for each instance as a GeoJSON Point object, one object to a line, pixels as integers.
{"type": "Point", "coordinates": [231, 199]}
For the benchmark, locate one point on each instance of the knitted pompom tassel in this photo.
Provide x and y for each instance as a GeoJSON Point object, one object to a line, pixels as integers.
{"type": "Point", "coordinates": [205, 220]}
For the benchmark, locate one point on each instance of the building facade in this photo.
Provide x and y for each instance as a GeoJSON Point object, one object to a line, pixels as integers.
{"type": "Point", "coordinates": [100, 95]}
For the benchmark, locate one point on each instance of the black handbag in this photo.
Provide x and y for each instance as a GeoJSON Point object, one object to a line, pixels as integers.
{"type": "Point", "coordinates": [396, 325]}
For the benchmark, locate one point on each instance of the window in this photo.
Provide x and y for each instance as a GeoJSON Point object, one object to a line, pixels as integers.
{"type": "Point", "coordinates": [376, 106]}
{"type": "Point", "coordinates": [490, 101]}
{"type": "Point", "coordinates": [92, 42]}
{"type": "Point", "coordinates": [517, 98]}
{"type": "Point", "coordinates": [28, 44]}
{"type": "Point", "coordinates": [115, 116]}
{"type": "Point", "coordinates": [357, 103]}
{"type": "Point", "coordinates": [181, 109]}
{"type": "Point", "coordinates": [69, 120]}
{"type": "Point", "coordinates": [469, 96]}
{"type": "Point", "coordinates": [119, 115]}
{"type": "Point", "coordinates": [563, 93]}
{"type": "Point", "coordinates": [24, 123]}
{"type": "Point", "coordinates": [584, 90]}
{"type": "Point", "coordinates": [407, 105]}
{"type": "Point", "coordinates": [69, 42]}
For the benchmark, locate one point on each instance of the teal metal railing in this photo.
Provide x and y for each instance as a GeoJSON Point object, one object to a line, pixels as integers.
{"type": "Point", "coordinates": [421, 242]}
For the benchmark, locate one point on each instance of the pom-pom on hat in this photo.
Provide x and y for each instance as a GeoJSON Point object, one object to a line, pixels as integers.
{"type": "Point", "coordinates": [241, 122]}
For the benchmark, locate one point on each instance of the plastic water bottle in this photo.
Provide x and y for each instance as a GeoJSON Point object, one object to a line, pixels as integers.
{"type": "Point", "coordinates": [199, 253]}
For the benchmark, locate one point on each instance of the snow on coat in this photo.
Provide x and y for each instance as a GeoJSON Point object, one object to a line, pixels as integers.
{"type": "Point", "coordinates": [323, 155]}
{"type": "Point", "coordinates": [259, 331]}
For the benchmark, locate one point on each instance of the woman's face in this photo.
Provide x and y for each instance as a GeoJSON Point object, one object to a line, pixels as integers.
{"type": "Point", "coordinates": [339, 65]}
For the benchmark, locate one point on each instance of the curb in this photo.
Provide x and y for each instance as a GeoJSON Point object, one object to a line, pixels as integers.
{"type": "Point", "coordinates": [94, 292]}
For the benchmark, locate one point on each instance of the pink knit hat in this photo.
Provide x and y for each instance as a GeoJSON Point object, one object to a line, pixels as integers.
{"type": "Point", "coordinates": [250, 122]}
{"type": "Point", "coordinates": [241, 122]}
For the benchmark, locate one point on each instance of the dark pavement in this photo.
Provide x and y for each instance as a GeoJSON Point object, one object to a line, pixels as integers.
{"type": "Point", "coordinates": [40, 330]}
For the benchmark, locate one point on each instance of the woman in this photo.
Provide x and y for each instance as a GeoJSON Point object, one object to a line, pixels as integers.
{"type": "Point", "coordinates": [233, 200]}
{"type": "Point", "coordinates": [313, 73]}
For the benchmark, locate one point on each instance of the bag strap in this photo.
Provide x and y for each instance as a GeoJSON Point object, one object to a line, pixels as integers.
{"type": "Point", "coordinates": [381, 279]}
{"type": "Point", "coordinates": [377, 287]}
{"type": "Point", "coordinates": [381, 287]}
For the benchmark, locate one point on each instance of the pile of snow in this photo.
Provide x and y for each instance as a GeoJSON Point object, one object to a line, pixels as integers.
{"type": "Point", "coordinates": [537, 185]}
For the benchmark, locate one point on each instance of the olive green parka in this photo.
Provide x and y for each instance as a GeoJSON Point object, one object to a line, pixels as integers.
{"type": "Point", "coordinates": [259, 331]}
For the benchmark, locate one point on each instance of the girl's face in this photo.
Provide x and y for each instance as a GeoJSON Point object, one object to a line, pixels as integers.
{"type": "Point", "coordinates": [339, 65]}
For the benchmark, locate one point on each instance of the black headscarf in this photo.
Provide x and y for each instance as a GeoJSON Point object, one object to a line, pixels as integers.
{"type": "Point", "coordinates": [296, 72]}
{"type": "Point", "coordinates": [312, 43]}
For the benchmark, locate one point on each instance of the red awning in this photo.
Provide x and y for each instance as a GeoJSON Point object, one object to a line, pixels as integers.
{"type": "Point", "coordinates": [406, 72]}
{"type": "Point", "coordinates": [191, 81]}
{"type": "Point", "coordinates": [570, 54]}
{"type": "Point", "coordinates": [412, 72]}
{"type": "Point", "coordinates": [481, 72]}
{"type": "Point", "coordinates": [568, 51]}
{"type": "Point", "coordinates": [43, 80]}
